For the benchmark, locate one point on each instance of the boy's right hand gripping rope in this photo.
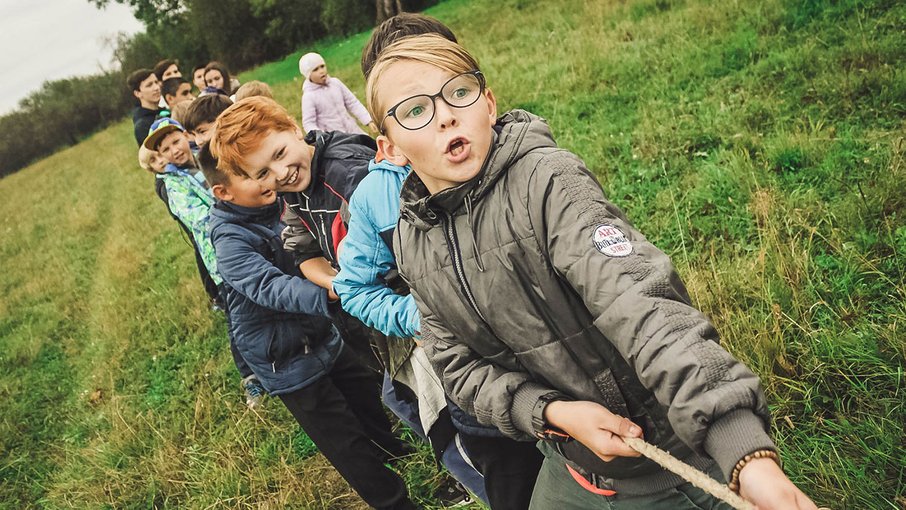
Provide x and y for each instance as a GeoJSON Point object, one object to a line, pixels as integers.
{"type": "Point", "coordinates": [690, 474]}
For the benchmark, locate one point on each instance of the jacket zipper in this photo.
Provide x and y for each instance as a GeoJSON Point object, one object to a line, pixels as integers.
{"type": "Point", "coordinates": [326, 250]}
{"type": "Point", "coordinates": [458, 267]}
{"type": "Point", "coordinates": [270, 345]}
{"type": "Point", "coordinates": [322, 233]}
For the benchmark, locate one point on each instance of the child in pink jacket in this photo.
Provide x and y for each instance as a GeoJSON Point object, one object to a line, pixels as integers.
{"type": "Point", "coordinates": [326, 102]}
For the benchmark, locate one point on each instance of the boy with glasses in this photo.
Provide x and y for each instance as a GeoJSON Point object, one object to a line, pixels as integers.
{"type": "Point", "coordinates": [596, 339]}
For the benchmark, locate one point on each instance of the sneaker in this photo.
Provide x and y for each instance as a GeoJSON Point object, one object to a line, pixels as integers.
{"type": "Point", "coordinates": [452, 494]}
{"type": "Point", "coordinates": [254, 392]}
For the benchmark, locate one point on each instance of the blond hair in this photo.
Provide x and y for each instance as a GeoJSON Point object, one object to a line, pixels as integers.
{"type": "Point", "coordinates": [144, 158]}
{"type": "Point", "coordinates": [241, 128]}
{"type": "Point", "coordinates": [254, 88]}
{"type": "Point", "coordinates": [178, 112]}
{"type": "Point", "coordinates": [428, 49]}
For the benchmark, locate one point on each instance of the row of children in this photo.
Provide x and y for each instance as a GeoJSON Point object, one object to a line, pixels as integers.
{"type": "Point", "coordinates": [162, 92]}
{"type": "Point", "coordinates": [509, 303]}
{"type": "Point", "coordinates": [160, 89]}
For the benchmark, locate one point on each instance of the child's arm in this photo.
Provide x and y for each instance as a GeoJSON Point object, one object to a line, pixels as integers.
{"type": "Point", "coordinates": [252, 275]}
{"type": "Point", "coordinates": [309, 113]}
{"type": "Point", "coordinates": [355, 107]}
{"type": "Point", "coordinates": [506, 399]}
{"type": "Point", "coordinates": [713, 401]}
{"type": "Point", "coordinates": [319, 271]}
{"type": "Point", "coordinates": [307, 252]}
{"type": "Point", "coordinates": [364, 261]}
{"type": "Point", "coordinates": [298, 238]}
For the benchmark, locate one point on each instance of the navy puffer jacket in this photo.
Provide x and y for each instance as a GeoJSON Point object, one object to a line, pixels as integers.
{"type": "Point", "coordinates": [280, 320]}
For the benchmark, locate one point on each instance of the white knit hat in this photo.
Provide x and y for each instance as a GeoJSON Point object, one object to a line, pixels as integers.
{"type": "Point", "coordinates": [309, 62]}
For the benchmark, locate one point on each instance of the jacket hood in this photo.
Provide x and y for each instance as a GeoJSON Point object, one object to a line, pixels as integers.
{"type": "Point", "coordinates": [319, 140]}
{"type": "Point", "coordinates": [226, 212]}
{"type": "Point", "coordinates": [518, 133]}
{"type": "Point", "coordinates": [333, 145]}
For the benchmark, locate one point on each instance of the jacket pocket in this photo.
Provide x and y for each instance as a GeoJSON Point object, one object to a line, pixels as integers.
{"type": "Point", "coordinates": [285, 343]}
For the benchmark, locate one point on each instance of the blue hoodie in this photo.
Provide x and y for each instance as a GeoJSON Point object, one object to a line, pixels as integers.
{"type": "Point", "coordinates": [280, 320]}
{"type": "Point", "coordinates": [367, 255]}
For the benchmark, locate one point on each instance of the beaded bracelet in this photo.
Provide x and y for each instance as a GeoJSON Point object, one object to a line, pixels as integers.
{"type": "Point", "coordinates": [759, 454]}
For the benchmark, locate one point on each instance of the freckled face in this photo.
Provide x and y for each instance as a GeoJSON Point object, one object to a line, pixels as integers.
{"type": "Point", "coordinates": [282, 162]}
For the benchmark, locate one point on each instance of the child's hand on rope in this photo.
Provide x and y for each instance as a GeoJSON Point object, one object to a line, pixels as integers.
{"type": "Point", "coordinates": [594, 426]}
{"type": "Point", "coordinates": [762, 482]}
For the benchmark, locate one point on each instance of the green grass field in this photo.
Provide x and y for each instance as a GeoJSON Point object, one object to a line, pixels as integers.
{"type": "Point", "coordinates": [761, 144]}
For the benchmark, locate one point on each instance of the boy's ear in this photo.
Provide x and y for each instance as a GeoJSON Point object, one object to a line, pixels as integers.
{"type": "Point", "coordinates": [492, 105]}
{"type": "Point", "coordinates": [221, 192]}
{"type": "Point", "coordinates": [137, 94]}
{"type": "Point", "coordinates": [391, 151]}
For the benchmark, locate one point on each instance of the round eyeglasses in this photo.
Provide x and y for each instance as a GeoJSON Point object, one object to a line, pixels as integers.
{"type": "Point", "coordinates": [416, 112]}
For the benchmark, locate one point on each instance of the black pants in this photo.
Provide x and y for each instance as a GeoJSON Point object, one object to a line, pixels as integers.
{"type": "Point", "coordinates": [358, 336]}
{"type": "Point", "coordinates": [509, 467]}
{"type": "Point", "coordinates": [343, 416]}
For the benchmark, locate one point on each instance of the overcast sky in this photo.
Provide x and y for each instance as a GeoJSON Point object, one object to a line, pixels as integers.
{"type": "Point", "coordinates": [50, 39]}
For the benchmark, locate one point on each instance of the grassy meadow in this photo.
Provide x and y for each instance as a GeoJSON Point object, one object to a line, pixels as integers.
{"type": "Point", "coordinates": [761, 144]}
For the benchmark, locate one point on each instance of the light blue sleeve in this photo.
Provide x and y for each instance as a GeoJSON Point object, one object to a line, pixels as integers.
{"type": "Point", "coordinates": [364, 260]}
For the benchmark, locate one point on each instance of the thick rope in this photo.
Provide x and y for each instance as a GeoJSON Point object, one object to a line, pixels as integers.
{"type": "Point", "coordinates": [689, 473]}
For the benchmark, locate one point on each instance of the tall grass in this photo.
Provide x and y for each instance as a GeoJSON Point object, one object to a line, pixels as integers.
{"type": "Point", "coordinates": [760, 144]}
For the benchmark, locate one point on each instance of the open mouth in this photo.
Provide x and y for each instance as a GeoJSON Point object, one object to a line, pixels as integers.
{"type": "Point", "coordinates": [292, 178]}
{"type": "Point", "coordinates": [458, 150]}
{"type": "Point", "coordinates": [456, 146]}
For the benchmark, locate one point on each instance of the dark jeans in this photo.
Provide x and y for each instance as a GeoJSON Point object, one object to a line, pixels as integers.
{"type": "Point", "coordinates": [509, 467]}
{"type": "Point", "coordinates": [343, 416]}
{"type": "Point", "coordinates": [357, 336]}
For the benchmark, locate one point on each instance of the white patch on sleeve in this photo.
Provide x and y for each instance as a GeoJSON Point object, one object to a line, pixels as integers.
{"type": "Point", "coordinates": [611, 241]}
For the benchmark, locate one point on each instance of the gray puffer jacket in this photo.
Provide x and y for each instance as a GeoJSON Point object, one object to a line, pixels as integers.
{"type": "Point", "coordinates": [530, 283]}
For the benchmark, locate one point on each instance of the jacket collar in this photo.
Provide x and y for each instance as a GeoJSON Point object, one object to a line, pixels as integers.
{"type": "Point", "coordinates": [318, 140]}
{"type": "Point", "coordinates": [516, 133]}
{"type": "Point", "coordinates": [266, 215]}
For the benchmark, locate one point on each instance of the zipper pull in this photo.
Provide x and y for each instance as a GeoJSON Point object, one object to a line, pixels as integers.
{"type": "Point", "coordinates": [307, 348]}
{"type": "Point", "coordinates": [274, 366]}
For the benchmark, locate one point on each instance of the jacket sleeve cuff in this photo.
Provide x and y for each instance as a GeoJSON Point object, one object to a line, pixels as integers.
{"type": "Point", "coordinates": [735, 435]}
{"type": "Point", "coordinates": [415, 325]}
{"type": "Point", "coordinates": [524, 401]}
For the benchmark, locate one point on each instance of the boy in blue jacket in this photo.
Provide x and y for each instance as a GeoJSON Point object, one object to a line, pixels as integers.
{"type": "Point", "coordinates": [283, 330]}
{"type": "Point", "coordinates": [316, 174]}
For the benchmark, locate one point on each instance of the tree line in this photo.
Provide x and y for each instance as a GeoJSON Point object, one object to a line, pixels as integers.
{"type": "Point", "coordinates": [239, 33]}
